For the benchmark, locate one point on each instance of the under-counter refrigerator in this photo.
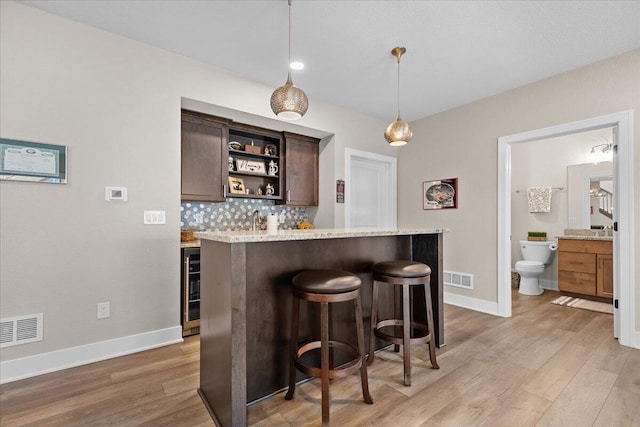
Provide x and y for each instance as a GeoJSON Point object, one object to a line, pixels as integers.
{"type": "Point", "coordinates": [190, 291]}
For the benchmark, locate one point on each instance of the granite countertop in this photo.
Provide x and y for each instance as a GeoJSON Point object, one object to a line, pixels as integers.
{"type": "Point", "coordinates": [313, 234]}
{"type": "Point", "coordinates": [587, 234]}
{"type": "Point", "coordinates": [190, 244]}
{"type": "Point", "coordinates": [576, 237]}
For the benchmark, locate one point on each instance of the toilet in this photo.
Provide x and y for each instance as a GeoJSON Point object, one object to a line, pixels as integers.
{"type": "Point", "coordinates": [536, 256]}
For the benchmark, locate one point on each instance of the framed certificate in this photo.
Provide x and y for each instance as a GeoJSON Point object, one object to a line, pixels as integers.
{"type": "Point", "coordinates": [32, 161]}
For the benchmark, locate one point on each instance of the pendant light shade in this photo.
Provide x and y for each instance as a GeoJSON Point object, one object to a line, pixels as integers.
{"type": "Point", "coordinates": [289, 102]}
{"type": "Point", "coordinates": [399, 132]}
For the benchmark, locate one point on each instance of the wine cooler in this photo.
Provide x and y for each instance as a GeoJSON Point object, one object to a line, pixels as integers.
{"type": "Point", "coordinates": [190, 291]}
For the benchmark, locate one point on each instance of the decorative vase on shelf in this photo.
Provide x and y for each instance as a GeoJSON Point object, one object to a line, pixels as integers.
{"type": "Point", "coordinates": [273, 168]}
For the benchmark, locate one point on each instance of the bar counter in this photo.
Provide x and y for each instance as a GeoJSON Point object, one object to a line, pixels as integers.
{"type": "Point", "coordinates": [245, 302]}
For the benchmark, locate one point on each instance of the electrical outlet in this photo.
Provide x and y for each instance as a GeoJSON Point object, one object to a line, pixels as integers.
{"type": "Point", "coordinates": [199, 218]}
{"type": "Point", "coordinates": [104, 310]}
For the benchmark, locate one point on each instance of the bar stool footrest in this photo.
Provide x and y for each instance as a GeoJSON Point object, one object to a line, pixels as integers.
{"type": "Point", "coordinates": [423, 334]}
{"type": "Point", "coordinates": [340, 372]}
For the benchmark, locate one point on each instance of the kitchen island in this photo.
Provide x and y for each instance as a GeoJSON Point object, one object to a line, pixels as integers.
{"type": "Point", "coordinates": [246, 302]}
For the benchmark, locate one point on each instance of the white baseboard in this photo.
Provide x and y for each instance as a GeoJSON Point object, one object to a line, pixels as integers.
{"type": "Point", "coordinates": [636, 339]}
{"type": "Point", "coordinates": [471, 303]}
{"type": "Point", "coordinates": [30, 366]}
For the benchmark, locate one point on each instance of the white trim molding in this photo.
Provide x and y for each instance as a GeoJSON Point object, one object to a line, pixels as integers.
{"type": "Point", "coordinates": [476, 304]}
{"type": "Point", "coordinates": [30, 366]}
{"type": "Point", "coordinates": [624, 268]}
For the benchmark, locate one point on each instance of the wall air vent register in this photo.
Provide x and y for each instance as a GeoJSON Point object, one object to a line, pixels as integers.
{"type": "Point", "coordinates": [459, 280]}
{"type": "Point", "coordinates": [20, 330]}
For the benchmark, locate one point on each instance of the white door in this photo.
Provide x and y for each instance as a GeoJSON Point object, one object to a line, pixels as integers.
{"type": "Point", "coordinates": [370, 190]}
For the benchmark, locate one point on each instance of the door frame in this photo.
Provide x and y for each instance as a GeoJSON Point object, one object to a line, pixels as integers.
{"type": "Point", "coordinates": [623, 266]}
{"type": "Point", "coordinates": [392, 175]}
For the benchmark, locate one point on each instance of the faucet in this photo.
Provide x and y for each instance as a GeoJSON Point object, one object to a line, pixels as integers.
{"type": "Point", "coordinates": [255, 220]}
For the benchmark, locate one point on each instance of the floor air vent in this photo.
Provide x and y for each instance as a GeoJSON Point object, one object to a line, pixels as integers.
{"type": "Point", "coordinates": [460, 280]}
{"type": "Point", "coordinates": [20, 330]}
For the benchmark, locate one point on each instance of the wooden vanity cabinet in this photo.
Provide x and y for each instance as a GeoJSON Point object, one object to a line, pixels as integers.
{"type": "Point", "coordinates": [301, 168]}
{"type": "Point", "coordinates": [203, 148]}
{"type": "Point", "coordinates": [585, 267]}
{"type": "Point", "coordinates": [604, 279]}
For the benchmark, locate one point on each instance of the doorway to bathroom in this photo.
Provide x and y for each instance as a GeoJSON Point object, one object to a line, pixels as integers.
{"type": "Point", "coordinates": [620, 123]}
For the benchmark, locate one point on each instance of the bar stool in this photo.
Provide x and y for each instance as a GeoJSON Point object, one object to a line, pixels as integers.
{"type": "Point", "coordinates": [405, 274]}
{"type": "Point", "coordinates": [325, 287]}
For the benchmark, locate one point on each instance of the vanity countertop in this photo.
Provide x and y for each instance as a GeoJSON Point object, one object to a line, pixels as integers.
{"type": "Point", "coordinates": [575, 237]}
{"type": "Point", "coordinates": [309, 234]}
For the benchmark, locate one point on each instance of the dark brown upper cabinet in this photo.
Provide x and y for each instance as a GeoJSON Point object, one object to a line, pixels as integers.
{"type": "Point", "coordinates": [301, 170]}
{"type": "Point", "coordinates": [204, 146]}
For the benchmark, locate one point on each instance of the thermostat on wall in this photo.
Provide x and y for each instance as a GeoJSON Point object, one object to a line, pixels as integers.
{"type": "Point", "coordinates": [115, 194]}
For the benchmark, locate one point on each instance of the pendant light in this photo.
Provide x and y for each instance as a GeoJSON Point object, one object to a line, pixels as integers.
{"type": "Point", "coordinates": [399, 132]}
{"type": "Point", "coordinates": [289, 102]}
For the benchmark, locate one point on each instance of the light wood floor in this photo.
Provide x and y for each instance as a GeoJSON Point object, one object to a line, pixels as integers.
{"type": "Point", "coordinates": [545, 366]}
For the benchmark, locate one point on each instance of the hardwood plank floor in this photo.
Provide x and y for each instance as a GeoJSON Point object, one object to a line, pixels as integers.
{"type": "Point", "coordinates": [547, 365]}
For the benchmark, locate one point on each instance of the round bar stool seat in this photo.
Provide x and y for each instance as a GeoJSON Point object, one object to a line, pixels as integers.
{"type": "Point", "coordinates": [325, 287]}
{"type": "Point", "coordinates": [406, 274]}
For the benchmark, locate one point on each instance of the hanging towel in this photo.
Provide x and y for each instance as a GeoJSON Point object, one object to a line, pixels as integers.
{"type": "Point", "coordinates": [539, 199]}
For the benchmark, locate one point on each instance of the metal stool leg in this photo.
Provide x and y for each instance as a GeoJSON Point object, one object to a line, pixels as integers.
{"type": "Point", "coordinates": [295, 321]}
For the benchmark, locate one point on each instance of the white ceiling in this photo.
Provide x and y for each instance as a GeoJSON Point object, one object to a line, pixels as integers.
{"type": "Point", "coordinates": [457, 51]}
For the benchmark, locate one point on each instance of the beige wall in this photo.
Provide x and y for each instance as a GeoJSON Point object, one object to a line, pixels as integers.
{"type": "Point", "coordinates": [116, 104]}
{"type": "Point", "coordinates": [463, 143]}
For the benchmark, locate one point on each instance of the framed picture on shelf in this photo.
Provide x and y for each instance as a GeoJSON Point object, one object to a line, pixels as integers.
{"type": "Point", "coordinates": [440, 194]}
{"type": "Point", "coordinates": [255, 166]}
{"type": "Point", "coordinates": [236, 185]}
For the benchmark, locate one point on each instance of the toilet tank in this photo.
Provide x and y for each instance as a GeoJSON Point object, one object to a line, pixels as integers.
{"type": "Point", "coordinates": [538, 251]}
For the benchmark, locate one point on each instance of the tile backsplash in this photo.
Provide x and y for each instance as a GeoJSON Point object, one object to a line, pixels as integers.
{"type": "Point", "coordinates": [235, 214]}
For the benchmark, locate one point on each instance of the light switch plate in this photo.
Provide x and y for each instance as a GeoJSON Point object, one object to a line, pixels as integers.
{"type": "Point", "coordinates": [154, 217]}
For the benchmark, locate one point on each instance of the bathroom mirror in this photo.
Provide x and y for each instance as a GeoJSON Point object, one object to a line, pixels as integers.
{"type": "Point", "coordinates": [590, 195]}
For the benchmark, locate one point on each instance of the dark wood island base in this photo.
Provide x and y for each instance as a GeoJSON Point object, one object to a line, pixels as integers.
{"type": "Point", "coordinates": [246, 295]}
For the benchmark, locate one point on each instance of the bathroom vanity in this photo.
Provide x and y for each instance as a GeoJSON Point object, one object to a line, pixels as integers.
{"type": "Point", "coordinates": [585, 266]}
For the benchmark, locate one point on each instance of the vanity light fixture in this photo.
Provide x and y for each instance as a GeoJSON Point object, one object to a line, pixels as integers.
{"type": "Point", "coordinates": [399, 132]}
{"type": "Point", "coordinates": [289, 102]}
{"type": "Point", "coordinates": [601, 153]}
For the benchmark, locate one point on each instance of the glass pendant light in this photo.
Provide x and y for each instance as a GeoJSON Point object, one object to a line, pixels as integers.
{"type": "Point", "coordinates": [289, 102]}
{"type": "Point", "coordinates": [399, 132]}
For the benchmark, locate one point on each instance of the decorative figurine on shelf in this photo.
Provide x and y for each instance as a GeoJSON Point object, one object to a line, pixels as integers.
{"type": "Point", "coordinates": [231, 164]}
{"type": "Point", "coordinates": [270, 150]}
{"type": "Point", "coordinates": [273, 168]}
{"type": "Point", "coordinates": [269, 191]}
{"type": "Point", "coordinates": [259, 192]}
